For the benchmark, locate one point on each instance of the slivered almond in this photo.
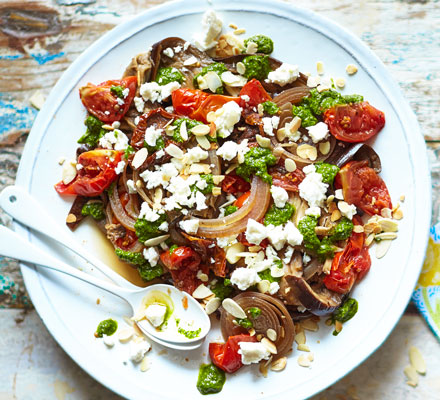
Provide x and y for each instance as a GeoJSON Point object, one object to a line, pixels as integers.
{"type": "Point", "coordinates": [263, 141]}
{"type": "Point", "coordinates": [322, 230]}
{"type": "Point", "coordinates": [269, 345]}
{"type": "Point", "coordinates": [320, 67]}
{"type": "Point", "coordinates": [271, 334]}
{"type": "Point", "coordinates": [69, 172]}
{"type": "Point", "coordinates": [241, 68]}
{"type": "Point", "coordinates": [351, 69]}
{"type": "Point", "coordinates": [145, 364]}
{"type": "Point", "coordinates": [309, 324]}
{"type": "Point", "coordinates": [211, 117]}
{"type": "Point", "coordinates": [232, 253]}
{"type": "Point", "coordinates": [382, 247]}
{"type": "Point", "coordinates": [233, 308]}
{"type": "Point", "coordinates": [202, 292]}
{"type": "Point", "coordinates": [174, 151]}
{"type": "Point", "coordinates": [263, 286]}
{"type": "Point", "coordinates": [398, 214]}
{"type": "Point", "coordinates": [416, 360]}
{"type": "Point", "coordinates": [388, 225]}
{"type": "Point", "coordinates": [231, 168]}
{"type": "Point", "coordinates": [139, 158]}
{"type": "Point", "coordinates": [212, 305]}
{"type": "Point", "coordinates": [290, 165]}
{"type": "Point", "coordinates": [281, 134]}
{"type": "Point", "coordinates": [303, 347]}
{"type": "Point", "coordinates": [386, 213]}
{"type": "Point", "coordinates": [303, 361]}
{"type": "Point", "coordinates": [340, 83]}
{"type": "Point", "coordinates": [327, 266]}
{"type": "Point", "coordinates": [411, 373]}
{"type": "Point", "coordinates": [125, 335]}
{"type": "Point", "coordinates": [156, 240]}
{"type": "Point", "coordinates": [300, 338]}
{"type": "Point", "coordinates": [307, 151]}
{"type": "Point", "coordinates": [71, 218]}
{"type": "Point", "coordinates": [198, 168]}
{"type": "Point", "coordinates": [263, 369]}
{"type": "Point", "coordinates": [386, 235]}
{"type": "Point", "coordinates": [217, 179]}
{"type": "Point", "coordinates": [203, 142]}
{"type": "Point", "coordinates": [358, 228]}
{"type": "Point", "coordinates": [369, 239]}
{"type": "Point", "coordinates": [336, 215]}
{"type": "Point", "coordinates": [216, 191]}
{"type": "Point", "coordinates": [200, 130]}
{"type": "Point", "coordinates": [279, 365]}
{"type": "Point", "coordinates": [324, 147]}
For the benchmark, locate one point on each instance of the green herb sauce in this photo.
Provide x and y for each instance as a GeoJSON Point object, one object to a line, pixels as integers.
{"type": "Point", "coordinates": [257, 67]}
{"type": "Point", "coordinates": [160, 144]}
{"type": "Point", "coordinates": [211, 379]}
{"type": "Point", "coordinates": [172, 248]}
{"type": "Point", "coordinates": [95, 210]}
{"type": "Point", "coordinates": [270, 107]}
{"type": "Point", "coordinates": [218, 68]}
{"type": "Point", "coordinates": [245, 323]}
{"type": "Point", "coordinates": [117, 91]}
{"type": "Point", "coordinates": [345, 312]}
{"type": "Point", "coordinates": [328, 171]}
{"type": "Point", "coordinates": [342, 230]}
{"type": "Point", "coordinates": [256, 161]}
{"type": "Point", "coordinates": [146, 229]}
{"type": "Point", "coordinates": [93, 133]}
{"type": "Point", "coordinates": [323, 249]}
{"type": "Point", "coordinates": [128, 151]}
{"type": "Point", "coordinates": [189, 334]}
{"type": "Point", "coordinates": [145, 270]}
{"type": "Point", "coordinates": [264, 43]}
{"type": "Point", "coordinates": [107, 327]}
{"type": "Point", "coordinates": [254, 312]}
{"type": "Point", "coordinates": [210, 184]}
{"type": "Point", "coordinates": [230, 210]}
{"type": "Point", "coordinates": [222, 289]}
{"type": "Point", "coordinates": [168, 75]}
{"type": "Point", "coordinates": [190, 123]}
{"type": "Point", "coordinates": [278, 216]}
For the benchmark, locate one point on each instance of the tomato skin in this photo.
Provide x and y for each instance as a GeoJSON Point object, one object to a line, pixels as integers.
{"type": "Point", "coordinates": [289, 181]}
{"type": "Point", "coordinates": [235, 184]}
{"type": "Point", "coordinates": [355, 122]}
{"type": "Point", "coordinates": [349, 265]}
{"type": "Point", "coordinates": [196, 104]}
{"type": "Point", "coordinates": [242, 199]}
{"type": "Point", "coordinates": [97, 174]}
{"type": "Point", "coordinates": [225, 355]}
{"type": "Point", "coordinates": [256, 92]}
{"type": "Point", "coordinates": [103, 104]}
{"type": "Point", "coordinates": [360, 184]}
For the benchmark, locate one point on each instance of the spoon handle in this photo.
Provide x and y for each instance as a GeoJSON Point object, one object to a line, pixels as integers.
{"type": "Point", "coordinates": [24, 208]}
{"type": "Point", "coordinates": [14, 246]}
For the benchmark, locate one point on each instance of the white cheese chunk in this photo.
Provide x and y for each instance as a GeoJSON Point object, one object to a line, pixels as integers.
{"type": "Point", "coordinates": [190, 225]}
{"type": "Point", "coordinates": [312, 189]}
{"type": "Point", "coordinates": [255, 232]}
{"type": "Point", "coordinates": [155, 314]}
{"type": "Point", "coordinates": [244, 278]}
{"type": "Point", "coordinates": [152, 91]}
{"type": "Point", "coordinates": [119, 168]}
{"type": "Point", "coordinates": [151, 255]}
{"type": "Point", "coordinates": [230, 149]}
{"type": "Point", "coordinates": [138, 349]}
{"type": "Point", "coordinates": [318, 132]}
{"type": "Point", "coordinates": [211, 28]}
{"type": "Point", "coordinates": [131, 186]}
{"type": "Point", "coordinates": [114, 139]}
{"type": "Point", "coordinates": [139, 104]}
{"type": "Point", "coordinates": [293, 237]}
{"type": "Point", "coordinates": [284, 74]}
{"type": "Point", "coordinates": [269, 124]}
{"type": "Point", "coordinates": [226, 117]}
{"type": "Point", "coordinates": [253, 352]}
{"type": "Point", "coordinates": [279, 195]}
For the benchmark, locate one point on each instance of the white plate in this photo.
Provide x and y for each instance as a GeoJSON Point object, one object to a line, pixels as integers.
{"type": "Point", "coordinates": [69, 309]}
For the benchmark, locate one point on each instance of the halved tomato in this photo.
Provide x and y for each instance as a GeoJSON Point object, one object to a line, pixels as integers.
{"type": "Point", "coordinates": [96, 175]}
{"type": "Point", "coordinates": [235, 184]}
{"type": "Point", "coordinates": [256, 92]}
{"type": "Point", "coordinates": [363, 187]}
{"type": "Point", "coordinates": [356, 122]}
{"type": "Point", "coordinates": [103, 103]}
{"type": "Point", "coordinates": [289, 181]}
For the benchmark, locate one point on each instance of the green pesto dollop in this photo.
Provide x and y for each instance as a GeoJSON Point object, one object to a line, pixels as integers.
{"type": "Point", "coordinates": [257, 67]}
{"type": "Point", "coordinates": [95, 210]}
{"type": "Point", "coordinates": [118, 91]}
{"type": "Point", "coordinates": [345, 312]}
{"type": "Point", "coordinates": [342, 230]}
{"type": "Point", "coordinates": [222, 288]}
{"type": "Point", "coordinates": [148, 229]}
{"type": "Point", "coordinates": [254, 312]}
{"type": "Point", "coordinates": [256, 161]}
{"type": "Point", "coordinates": [266, 274]}
{"type": "Point", "coordinates": [218, 68]}
{"type": "Point", "coordinates": [245, 323]}
{"type": "Point", "coordinates": [328, 171]}
{"type": "Point", "coordinates": [322, 248]}
{"type": "Point", "coordinates": [211, 379]}
{"type": "Point", "coordinates": [128, 151]}
{"type": "Point", "coordinates": [270, 107]}
{"type": "Point", "coordinates": [107, 327]}
{"type": "Point", "coordinates": [230, 210]}
{"type": "Point", "coordinates": [189, 334]}
{"type": "Point", "coordinates": [160, 144]}
{"type": "Point", "coordinates": [93, 133]}
{"type": "Point", "coordinates": [168, 75]}
{"type": "Point", "coordinates": [316, 103]}
{"type": "Point", "coordinates": [190, 123]}
{"type": "Point", "coordinates": [210, 184]}
{"type": "Point", "coordinates": [264, 43]}
{"type": "Point", "coordinates": [145, 270]}
{"type": "Point", "coordinates": [278, 216]}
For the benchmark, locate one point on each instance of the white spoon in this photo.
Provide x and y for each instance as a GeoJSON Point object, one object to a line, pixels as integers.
{"type": "Point", "coordinates": [21, 206]}
{"type": "Point", "coordinates": [14, 246]}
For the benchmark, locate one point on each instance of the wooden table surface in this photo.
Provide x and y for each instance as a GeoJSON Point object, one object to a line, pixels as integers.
{"type": "Point", "coordinates": [40, 39]}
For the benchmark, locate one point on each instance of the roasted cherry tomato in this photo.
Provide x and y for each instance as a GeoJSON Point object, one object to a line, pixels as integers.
{"type": "Point", "coordinates": [225, 355]}
{"type": "Point", "coordinates": [363, 187]}
{"type": "Point", "coordinates": [254, 89]}
{"type": "Point", "coordinates": [235, 184]}
{"type": "Point", "coordinates": [349, 265]}
{"type": "Point", "coordinates": [96, 175]}
{"type": "Point", "coordinates": [196, 104]}
{"type": "Point", "coordinates": [105, 105]}
{"type": "Point", "coordinates": [289, 181]}
{"type": "Point", "coordinates": [242, 199]}
{"type": "Point", "coordinates": [356, 122]}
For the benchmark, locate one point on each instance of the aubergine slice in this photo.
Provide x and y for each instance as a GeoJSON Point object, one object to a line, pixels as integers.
{"type": "Point", "coordinates": [318, 301]}
{"type": "Point", "coordinates": [345, 152]}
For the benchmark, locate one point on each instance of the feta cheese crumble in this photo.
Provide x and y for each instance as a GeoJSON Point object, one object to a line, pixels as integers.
{"type": "Point", "coordinates": [255, 232]}
{"type": "Point", "coordinates": [190, 225]}
{"type": "Point", "coordinates": [152, 91]}
{"type": "Point", "coordinates": [155, 314]}
{"type": "Point", "coordinates": [226, 117]}
{"type": "Point", "coordinates": [151, 255]}
{"type": "Point", "coordinates": [284, 75]}
{"type": "Point", "coordinates": [312, 189]}
{"type": "Point", "coordinates": [231, 149]}
{"type": "Point", "coordinates": [279, 195]}
{"type": "Point", "coordinates": [318, 132]}
{"type": "Point", "coordinates": [253, 352]}
{"type": "Point", "coordinates": [114, 139]}
{"type": "Point", "coordinates": [211, 28]}
{"type": "Point", "coordinates": [138, 349]}
{"type": "Point", "coordinates": [244, 278]}
{"type": "Point", "coordinates": [269, 124]}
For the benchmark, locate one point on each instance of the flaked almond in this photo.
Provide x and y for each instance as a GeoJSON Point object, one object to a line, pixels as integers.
{"type": "Point", "coordinates": [200, 130]}
{"type": "Point", "coordinates": [398, 214]}
{"type": "Point", "coordinates": [190, 61]}
{"type": "Point", "coordinates": [300, 338]}
{"type": "Point", "coordinates": [216, 191]}
{"type": "Point", "coordinates": [281, 134]}
{"type": "Point", "coordinates": [310, 324]}
{"type": "Point", "coordinates": [386, 212]}
{"type": "Point", "coordinates": [388, 225]}
{"type": "Point", "coordinates": [252, 332]}
{"type": "Point", "coordinates": [382, 247]}
{"type": "Point", "coordinates": [320, 67]}
{"type": "Point", "coordinates": [217, 179]}
{"type": "Point", "coordinates": [303, 361]}
{"type": "Point", "coordinates": [202, 292]}
{"type": "Point", "coordinates": [239, 31]}
{"type": "Point", "coordinates": [327, 266]}
{"type": "Point", "coordinates": [411, 373]}
{"type": "Point", "coordinates": [369, 239]}
{"type": "Point", "coordinates": [125, 335]}
{"type": "Point", "coordinates": [303, 347]}
{"type": "Point", "coordinates": [269, 345]}
{"type": "Point", "coordinates": [372, 227]}
{"type": "Point", "coordinates": [69, 172]}
{"type": "Point", "coordinates": [263, 286]}
{"type": "Point", "coordinates": [139, 158]}
{"type": "Point", "coordinates": [198, 168]}
{"type": "Point", "coordinates": [263, 368]}
{"type": "Point", "coordinates": [290, 165]}
{"type": "Point", "coordinates": [71, 218]}
{"type": "Point", "coordinates": [37, 100]}
{"type": "Point", "coordinates": [335, 216]}
{"type": "Point", "coordinates": [323, 230]}
{"type": "Point", "coordinates": [386, 235]}
{"type": "Point", "coordinates": [279, 365]}
{"type": "Point", "coordinates": [351, 69]}
{"type": "Point", "coordinates": [271, 334]}
{"type": "Point", "coordinates": [233, 252]}
{"type": "Point", "coordinates": [203, 142]}
{"type": "Point", "coordinates": [241, 68]}
{"type": "Point", "coordinates": [156, 240]}
{"type": "Point", "coordinates": [340, 83]}
{"type": "Point", "coordinates": [251, 48]}
{"type": "Point", "coordinates": [417, 361]}
{"type": "Point", "coordinates": [233, 308]}
{"type": "Point", "coordinates": [324, 148]}
{"type": "Point", "coordinates": [145, 364]}
{"type": "Point", "coordinates": [307, 151]}
{"type": "Point", "coordinates": [402, 198]}
{"type": "Point", "coordinates": [358, 228]}
{"type": "Point", "coordinates": [263, 141]}
{"type": "Point", "coordinates": [231, 168]}
{"type": "Point", "coordinates": [338, 326]}
{"type": "Point", "coordinates": [174, 151]}
{"type": "Point", "coordinates": [211, 117]}
{"type": "Point", "coordinates": [212, 305]}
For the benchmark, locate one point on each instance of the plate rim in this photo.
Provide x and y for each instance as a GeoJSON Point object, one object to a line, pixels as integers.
{"type": "Point", "coordinates": [335, 32]}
